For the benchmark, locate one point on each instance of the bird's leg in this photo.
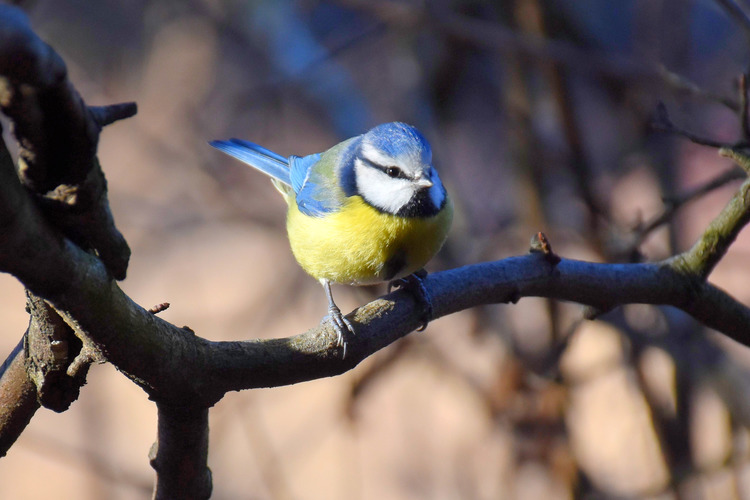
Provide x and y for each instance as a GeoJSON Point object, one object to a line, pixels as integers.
{"type": "Point", "coordinates": [414, 283]}
{"type": "Point", "coordinates": [340, 323]}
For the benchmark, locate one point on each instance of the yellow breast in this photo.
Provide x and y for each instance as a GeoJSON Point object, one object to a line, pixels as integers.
{"type": "Point", "coordinates": [360, 245]}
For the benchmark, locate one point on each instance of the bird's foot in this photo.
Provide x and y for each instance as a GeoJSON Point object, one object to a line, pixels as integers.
{"type": "Point", "coordinates": [342, 325]}
{"type": "Point", "coordinates": [414, 283]}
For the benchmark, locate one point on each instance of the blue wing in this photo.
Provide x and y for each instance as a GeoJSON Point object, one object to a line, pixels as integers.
{"type": "Point", "coordinates": [313, 178]}
{"type": "Point", "coordinates": [301, 168]}
{"type": "Point", "coordinates": [316, 187]}
{"type": "Point", "coordinates": [258, 157]}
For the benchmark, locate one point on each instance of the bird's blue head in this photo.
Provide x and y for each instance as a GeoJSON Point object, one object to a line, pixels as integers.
{"type": "Point", "coordinates": [393, 171]}
{"type": "Point", "coordinates": [399, 142]}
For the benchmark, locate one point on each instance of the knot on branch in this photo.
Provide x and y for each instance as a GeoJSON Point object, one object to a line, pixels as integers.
{"type": "Point", "coordinates": [50, 346]}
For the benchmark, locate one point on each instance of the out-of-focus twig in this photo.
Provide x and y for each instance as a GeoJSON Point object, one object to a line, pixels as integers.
{"type": "Point", "coordinates": [663, 123]}
{"type": "Point", "coordinates": [673, 203]}
{"type": "Point", "coordinates": [743, 111]}
{"type": "Point", "coordinates": [718, 236]}
{"type": "Point", "coordinates": [374, 372]}
{"type": "Point", "coordinates": [738, 14]}
{"type": "Point", "coordinates": [269, 462]}
{"type": "Point", "coordinates": [505, 40]}
{"type": "Point", "coordinates": [682, 84]}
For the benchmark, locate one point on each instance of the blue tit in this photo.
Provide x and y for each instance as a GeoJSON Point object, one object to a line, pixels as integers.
{"type": "Point", "coordinates": [368, 210]}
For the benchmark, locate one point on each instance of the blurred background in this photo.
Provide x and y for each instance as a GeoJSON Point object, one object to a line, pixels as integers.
{"type": "Point", "coordinates": [539, 115]}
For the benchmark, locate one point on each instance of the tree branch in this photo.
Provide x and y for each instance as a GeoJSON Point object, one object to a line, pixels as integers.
{"type": "Point", "coordinates": [180, 453]}
{"type": "Point", "coordinates": [58, 136]}
{"type": "Point", "coordinates": [18, 401]}
{"type": "Point", "coordinates": [37, 371]}
{"type": "Point", "coordinates": [175, 366]}
{"type": "Point", "coordinates": [51, 348]}
{"type": "Point", "coordinates": [58, 238]}
{"type": "Point", "coordinates": [701, 259]}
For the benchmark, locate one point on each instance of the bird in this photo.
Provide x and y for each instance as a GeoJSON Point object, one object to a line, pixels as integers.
{"type": "Point", "coordinates": [370, 209]}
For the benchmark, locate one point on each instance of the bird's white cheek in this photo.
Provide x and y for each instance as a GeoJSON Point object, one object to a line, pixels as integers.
{"type": "Point", "coordinates": [389, 198]}
{"type": "Point", "coordinates": [382, 192]}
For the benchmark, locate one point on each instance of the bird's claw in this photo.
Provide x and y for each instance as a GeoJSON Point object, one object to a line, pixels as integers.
{"type": "Point", "coordinates": [342, 326]}
{"type": "Point", "coordinates": [414, 283]}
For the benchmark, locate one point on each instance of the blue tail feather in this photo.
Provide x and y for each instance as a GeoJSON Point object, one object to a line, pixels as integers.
{"type": "Point", "coordinates": [258, 157]}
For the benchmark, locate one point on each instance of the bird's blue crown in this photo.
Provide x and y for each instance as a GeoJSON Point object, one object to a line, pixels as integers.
{"type": "Point", "coordinates": [398, 139]}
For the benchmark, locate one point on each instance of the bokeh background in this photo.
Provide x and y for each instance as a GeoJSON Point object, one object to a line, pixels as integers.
{"type": "Point", "coordinates": [539, 114]}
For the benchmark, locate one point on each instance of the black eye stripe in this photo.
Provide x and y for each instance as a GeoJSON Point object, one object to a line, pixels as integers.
{"type": "Point", "coordinates": [385, 169]}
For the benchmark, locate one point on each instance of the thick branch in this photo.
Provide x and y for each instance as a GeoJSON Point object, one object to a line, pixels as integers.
{"type": "Point", "coordinates": [58, 136]}
{"type": "Point", "coordinates": [37, 371]}
{"type": "Point", "coordinates": [18, 401]}
{"type": "Point", "coordinates": [180, 453]}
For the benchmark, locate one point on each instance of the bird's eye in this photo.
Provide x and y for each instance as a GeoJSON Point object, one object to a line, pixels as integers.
{"type": "Point", "coordinates": [393, 171]}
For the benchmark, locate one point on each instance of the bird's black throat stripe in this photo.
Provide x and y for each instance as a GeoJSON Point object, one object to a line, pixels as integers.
{"type": "Point", "coordinates": [421, 205]}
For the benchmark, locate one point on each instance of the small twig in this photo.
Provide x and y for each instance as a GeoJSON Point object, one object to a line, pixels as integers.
{"type": "Point", "coordinates": [739, 157]}
{"type": "Point", "coordinates": [106, 115]}
{"type": "Point", "coordinates": [663, 123]}
{"type": "Point", "coordinates": [159, 308]}
{"type": "Point", "coordinates": [675, 202]}
{"type": "Point", "coordinates": [682, 83]}
{"type": "Point", "coordinates": [720, 180]}
{"type": "Point", "coordinates": [79, 366]}
{"type": "Point", "coordinates": [540, 244]}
